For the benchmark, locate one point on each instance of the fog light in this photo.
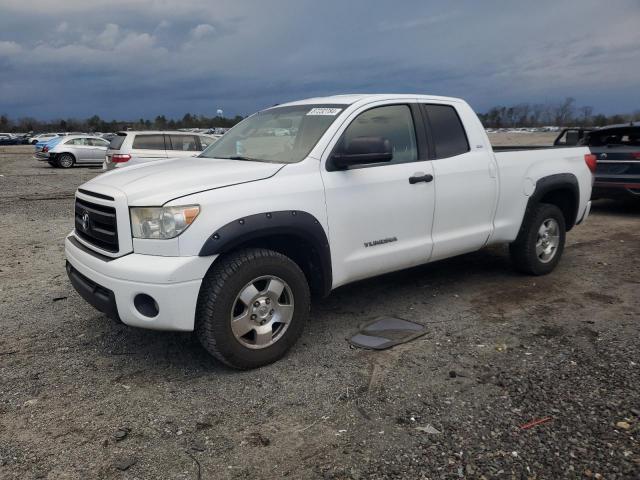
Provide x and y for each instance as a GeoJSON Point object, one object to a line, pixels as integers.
{"type": "Point", "coordinates": [146, 305]}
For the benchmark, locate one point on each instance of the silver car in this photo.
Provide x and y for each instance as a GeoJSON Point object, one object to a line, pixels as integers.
{"type": "Point", "coordinates": [130, 148]}
{"type": "Point", "coordinates": [75, 150]}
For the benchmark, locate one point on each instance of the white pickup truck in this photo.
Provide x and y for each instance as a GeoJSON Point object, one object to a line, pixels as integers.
{"type": "Point", "coordinates": [301, 198]}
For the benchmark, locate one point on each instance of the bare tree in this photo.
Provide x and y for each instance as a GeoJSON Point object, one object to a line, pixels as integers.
{"type": "Point", "coordinates": [585, 113]}
{"type": "Point", "coordinates": [564, 111]}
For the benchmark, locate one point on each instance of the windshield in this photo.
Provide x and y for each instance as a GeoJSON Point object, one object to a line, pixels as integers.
{"type": "Point", "coordinates": [280, 134]}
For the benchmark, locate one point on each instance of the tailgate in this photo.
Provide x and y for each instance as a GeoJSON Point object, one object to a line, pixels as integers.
{"type": "Point", "coordinates": [618, 165]}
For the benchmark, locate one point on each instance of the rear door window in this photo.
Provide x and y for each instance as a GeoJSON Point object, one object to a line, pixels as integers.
{"type": "Point", "coordinates": [149, 142]}
{"type": "Point", "coordinates": [184, 143]}
{"type": "Point", "coordinates": [78, 142]}
{"type": "Point", "coordinates": [448, 134]}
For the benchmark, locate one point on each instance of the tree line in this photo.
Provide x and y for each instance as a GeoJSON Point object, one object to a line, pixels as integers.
{"type": "Point", "coordinates": [97, 124]}
{"type": "Point", "coordinates": [561, 114]}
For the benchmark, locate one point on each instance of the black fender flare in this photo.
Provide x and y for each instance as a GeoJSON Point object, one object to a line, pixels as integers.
{"type": "Point", "coordinates": [544, 185]}
{"type": "Point", "coordinates": [294, 223]}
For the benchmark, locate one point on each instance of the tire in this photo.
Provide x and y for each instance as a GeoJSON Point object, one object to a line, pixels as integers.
{"type": "Point", "coordinates": [65, 160]}
{"type": "Point", "coordinates": [532, 252]}
{"type": "Point", "coordinates": [226, 297]}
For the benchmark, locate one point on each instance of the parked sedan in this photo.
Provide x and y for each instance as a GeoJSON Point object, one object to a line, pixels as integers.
{"type": "Point", "coordinates": [46, 142]}
{"type": "Point", "coordinates": [74, 149]}
{"type": "Point", "coordinates": [8, 139]}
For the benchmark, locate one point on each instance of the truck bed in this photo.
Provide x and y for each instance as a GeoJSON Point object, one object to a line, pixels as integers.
{"type": "Point", "coordinates": [519, 167]}
{"type": "Point", "coordinates": [515, 148]}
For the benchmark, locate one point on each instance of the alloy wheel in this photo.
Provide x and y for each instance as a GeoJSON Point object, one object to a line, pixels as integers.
{"type": "Point", "coordinates": [262, 312]}
{"type": "Point", "coordinates": [548, 240]}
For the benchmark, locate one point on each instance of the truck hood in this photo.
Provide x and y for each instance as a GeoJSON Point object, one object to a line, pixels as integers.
{"type": "Point", "coordinates": [156, 183]}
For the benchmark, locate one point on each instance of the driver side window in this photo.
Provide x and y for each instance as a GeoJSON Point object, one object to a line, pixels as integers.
{"type": "Point", "coordinates": [390, 125]}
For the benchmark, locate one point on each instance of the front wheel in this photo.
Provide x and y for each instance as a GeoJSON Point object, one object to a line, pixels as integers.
{"type": "Point", "coordinates": [540, 243]}
{"type": "Point", "coordinates": [252, 307]}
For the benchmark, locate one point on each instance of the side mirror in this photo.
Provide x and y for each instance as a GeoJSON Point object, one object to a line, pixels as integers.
{"type": "Point", "coordinates": [362, 151]}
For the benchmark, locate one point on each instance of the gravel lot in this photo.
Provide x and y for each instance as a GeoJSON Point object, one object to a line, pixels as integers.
{"type": "Point", "coordinates": [82, 397]}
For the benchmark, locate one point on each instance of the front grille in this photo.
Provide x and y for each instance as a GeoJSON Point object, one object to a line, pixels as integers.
{"type": "Point", "coordinates": [96, 224]}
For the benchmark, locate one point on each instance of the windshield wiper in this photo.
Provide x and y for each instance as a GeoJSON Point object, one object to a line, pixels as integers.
{"type": "Point", "coordinates": [242, 157]}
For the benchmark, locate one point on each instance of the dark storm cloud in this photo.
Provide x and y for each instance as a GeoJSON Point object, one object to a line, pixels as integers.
{"type": "Point", "coordinates": [127, 59]}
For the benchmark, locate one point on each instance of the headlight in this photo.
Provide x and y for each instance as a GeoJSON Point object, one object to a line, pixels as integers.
{"type": "Point", "coordinates": [162, 222]}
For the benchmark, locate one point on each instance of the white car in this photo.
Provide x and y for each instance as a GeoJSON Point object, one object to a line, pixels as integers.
{"type": "Point", "coordinates": [132, 148]}
{"type": "Point", "coordinates": [232, 244]}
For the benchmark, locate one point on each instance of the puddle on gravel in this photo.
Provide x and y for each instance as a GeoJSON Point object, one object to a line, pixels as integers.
{"type": "Point", "coordinates": [386, 332]}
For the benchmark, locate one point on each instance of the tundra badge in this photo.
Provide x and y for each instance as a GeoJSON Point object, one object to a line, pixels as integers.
{"type": "Point", "coordinates": [380, 242]}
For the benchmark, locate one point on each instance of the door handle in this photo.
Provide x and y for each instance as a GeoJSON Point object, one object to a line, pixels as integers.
{"type": "Point", "coordinates": [420, 178]}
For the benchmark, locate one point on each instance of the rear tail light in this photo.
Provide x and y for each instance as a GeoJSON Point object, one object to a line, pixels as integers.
{"type": "Point", "coordinates": [120, 158]}
{"type": "Point", "coordinates": [635, 155]}
{"type": "Point", "coordinates": [45, 148]}
{"type": "Point", "coordinates": [592, 161]}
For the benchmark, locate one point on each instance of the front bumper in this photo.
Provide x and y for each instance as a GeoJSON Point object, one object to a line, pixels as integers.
{"type": "Point", "coordinates": [100, 298]}
{"type": "Point", "coordinates": [111, 285]}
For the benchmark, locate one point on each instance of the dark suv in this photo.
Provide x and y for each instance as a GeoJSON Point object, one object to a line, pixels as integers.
{"type": "Point", "coordinates": [617, 149]}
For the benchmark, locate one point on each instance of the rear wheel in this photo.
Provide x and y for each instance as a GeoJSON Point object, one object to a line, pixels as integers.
{"type": "Point", "coordinates": [65, 160]}
{"type": "Point", "coordinates": [252, 307]}
{"type": "Point", "coordinates": [540, 244]}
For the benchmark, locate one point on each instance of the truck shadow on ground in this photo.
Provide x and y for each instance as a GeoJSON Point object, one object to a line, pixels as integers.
{"type": "Point", "coordinates": [331, 318]}
{"type": "Point", "coordinates": [617, 207]}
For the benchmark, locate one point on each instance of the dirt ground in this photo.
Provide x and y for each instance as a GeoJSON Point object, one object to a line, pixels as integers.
{"type": "Point", "coordinates": [82, 397]}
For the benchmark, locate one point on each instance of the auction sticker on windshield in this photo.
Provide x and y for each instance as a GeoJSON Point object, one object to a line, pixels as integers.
{"type": "Point", "coordinates": [324, 111]}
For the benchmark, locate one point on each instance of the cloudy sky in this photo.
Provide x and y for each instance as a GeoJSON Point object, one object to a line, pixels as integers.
{"type": "Point", "coordinates": [133, 58]}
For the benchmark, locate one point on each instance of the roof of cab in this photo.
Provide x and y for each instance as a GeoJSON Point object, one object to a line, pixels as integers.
{"type": "Point", "coordinates": [352, 98]}
{"type": "Point", "coordinates": [619, 125]}
{"type": "Point", "coordinates": [158, 132]}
